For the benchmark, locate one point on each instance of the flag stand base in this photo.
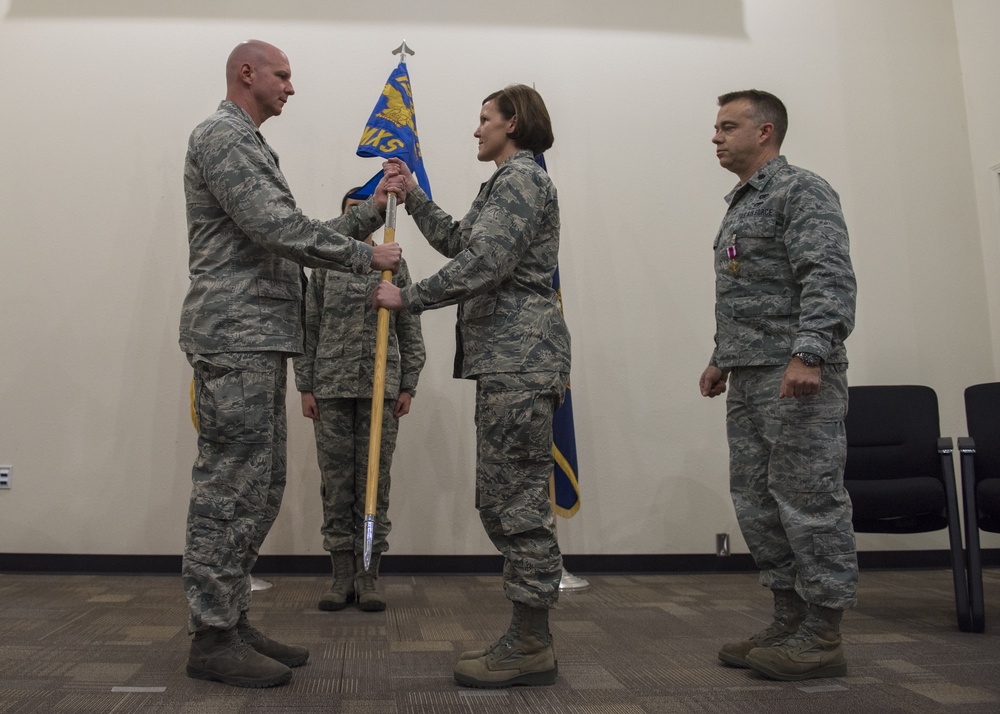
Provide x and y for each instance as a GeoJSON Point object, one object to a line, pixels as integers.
{"type": "Point", "coordinates": [570, 582]}
{"type": "Point", "coordinates": [258, 584]}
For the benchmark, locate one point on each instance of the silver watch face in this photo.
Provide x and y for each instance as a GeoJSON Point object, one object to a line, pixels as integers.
{"type": "Point", "coordinates": [809, 360]}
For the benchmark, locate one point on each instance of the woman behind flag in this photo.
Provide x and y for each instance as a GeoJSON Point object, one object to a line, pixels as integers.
{"type": "Point", "coordinates": [335, 378]}
{"type": "Point", "coordinates": [513, 341]}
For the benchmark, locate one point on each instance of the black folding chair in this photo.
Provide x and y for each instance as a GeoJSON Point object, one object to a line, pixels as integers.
{"type": "Point", "coordinates": [980, 459]}
{"type": "Point", "coordinates": [900, 472]}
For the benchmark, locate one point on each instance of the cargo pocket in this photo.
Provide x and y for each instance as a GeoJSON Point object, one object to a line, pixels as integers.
{"type": "Point", "coordinates": [211, 537]}
{"type": "Point", "coordinates": [516, 431]}
{"type": "Point", "coordinates": [216, 389]}
{"type": "Point", "coordinates": [833, 544]}
{"type": "Point", "coordinates": [524, 513]}
{"type": "Point", "coordinates": [279, 304]}
{"type": "Point", "coordinates": [227, 401]}
{"type": "Point", "coordinates": [813, 445]}
{"type": "Point", "coordinates": [478, 311]}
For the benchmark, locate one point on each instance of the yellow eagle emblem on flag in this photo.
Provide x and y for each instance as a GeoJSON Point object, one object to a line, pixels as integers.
{"type": "Point", "coordinates": [396, 110]}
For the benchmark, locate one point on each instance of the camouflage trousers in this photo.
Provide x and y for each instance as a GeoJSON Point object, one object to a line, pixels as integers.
{"type": "Point", "coordinates": [786, 463]}
{"type": "Point", "coordinates": [513, 467]}
{"type": "Point", "coordinates": [342, 438]}
{"type": "Point", "coordinates": [237, 481]}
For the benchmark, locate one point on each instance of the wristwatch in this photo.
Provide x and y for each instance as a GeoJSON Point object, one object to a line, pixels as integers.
{"type": "Point", "coordinates": [809, 359]}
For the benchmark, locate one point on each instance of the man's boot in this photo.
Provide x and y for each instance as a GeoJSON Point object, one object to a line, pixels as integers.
{"type": "Point", "coordinates": [223, 656]}
{"type": "Point", "coordinates": [524, 656]}
{"type": "Point", "coordinates": [814, 651]}
{"type": "Point", "coordinates": [341, 592]}
{"type": "Point", "coordinates": [366, 584]}
{"type": "Point", "coordinates": [789, 612]}
{"type": "Point", "coordinates": [506, 638]}
{"type": "Point", "coordinates": [288, 655]}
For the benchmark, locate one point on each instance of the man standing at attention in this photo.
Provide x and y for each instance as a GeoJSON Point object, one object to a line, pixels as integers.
{"type": "Point", "coordinates": [241, 319]}
{"type": "Point", "coordinates": [785, 299]}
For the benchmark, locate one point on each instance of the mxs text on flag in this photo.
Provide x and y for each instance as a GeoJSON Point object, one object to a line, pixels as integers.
{"type": "Point", "coordinates": [391, 131]}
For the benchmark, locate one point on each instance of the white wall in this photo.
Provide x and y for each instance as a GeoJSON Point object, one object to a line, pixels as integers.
{"type": "Point", "coordinates": [977, 22]}
{"type": "Point", "coordinates": [99, 98]}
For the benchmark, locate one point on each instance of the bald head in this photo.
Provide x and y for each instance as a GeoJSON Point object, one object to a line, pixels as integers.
{"type": "Point", "coordinates": [252, 52]}
{"type": "Point", "coordinates": [258, 78]}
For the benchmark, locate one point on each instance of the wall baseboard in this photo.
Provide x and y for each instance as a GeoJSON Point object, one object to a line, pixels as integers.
{"type": "Point", "coordinates": [462, 564]}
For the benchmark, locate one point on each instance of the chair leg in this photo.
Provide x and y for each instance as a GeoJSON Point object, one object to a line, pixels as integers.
{"type": "Point", "coordinates": [974, 564]}
{"type": "Point", "coordinates": [976, 599]}
{"type": "Point", "coordinates": [962, 604]}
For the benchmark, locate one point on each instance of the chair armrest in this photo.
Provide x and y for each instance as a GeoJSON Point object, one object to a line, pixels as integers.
{"type": "Point", "coordinates": [966, 445]}
{"type": "Point", "coordinates": [944, 445]}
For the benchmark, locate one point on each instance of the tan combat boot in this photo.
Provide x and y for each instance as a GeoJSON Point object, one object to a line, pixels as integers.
{"type": "Point", "coordinates": [223, 656]}
{"type": "Point", "coordinates": [288, 655]}
{"type": "Point", "coordinates": [524, 656]}
{"type": "Point", "coordinates": [341, 592]}
{"type": "Point", "coordinates": [509, 636]}
{"type": "Point", "coordinates": [366, 584]}
{"type": "Point", "coordinates": [789, 612]}
{"type": "Point", "coordinates": [814, 651]}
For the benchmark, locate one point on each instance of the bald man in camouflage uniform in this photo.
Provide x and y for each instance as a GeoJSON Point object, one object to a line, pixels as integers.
{"type": "Point", "coordinates": [785, 301]}
{"type": "Point", "coordinates": [241, 318]}
{"type": "Point", "coordinates": [335, 377]}
{"type": "Point", "coordinates": [514, 342]}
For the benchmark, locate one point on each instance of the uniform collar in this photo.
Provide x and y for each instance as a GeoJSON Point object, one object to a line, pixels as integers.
{"type": "Point", "coordinates": [242, 115]}
{"type": "Point", "coordinates": [237, 111]}
{"type": "Point", "coordinates": [518, 155]}
{"type": "Point", "coordinates": [760, 177]}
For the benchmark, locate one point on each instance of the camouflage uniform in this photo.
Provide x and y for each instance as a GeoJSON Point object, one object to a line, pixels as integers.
{"type": "Point", "coordinates": [513, 340]}
{"type": "Point", "coordinates": [794, 292]}
{"type": "Point", "coordinates": [338, 368]}
{"type": "Point", "coordinates": [241, 317]}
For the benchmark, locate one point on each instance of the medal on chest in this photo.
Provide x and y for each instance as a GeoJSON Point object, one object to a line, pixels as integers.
{"type": "Point", "coordinates": [732, 252]}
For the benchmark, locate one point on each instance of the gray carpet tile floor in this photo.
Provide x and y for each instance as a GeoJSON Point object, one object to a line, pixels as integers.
{"type": "Point", "coordinates": [629, 644]}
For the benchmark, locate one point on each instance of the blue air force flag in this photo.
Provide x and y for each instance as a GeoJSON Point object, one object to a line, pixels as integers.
{"type": "Point", "coordinates": [392, 131]}
{"type": "Point", "coordinates": [564, 490]}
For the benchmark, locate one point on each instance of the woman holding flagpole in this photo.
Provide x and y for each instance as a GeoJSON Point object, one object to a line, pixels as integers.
{"type": "Point", "coordinates": [513, 341]}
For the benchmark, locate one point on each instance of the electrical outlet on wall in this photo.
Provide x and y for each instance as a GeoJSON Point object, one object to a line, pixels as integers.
{"type": "Point", "coordinates": [5, 473]}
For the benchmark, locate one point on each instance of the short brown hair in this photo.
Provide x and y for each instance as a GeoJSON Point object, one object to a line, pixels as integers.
{"type": "Point", "coordinates": [767, 109]}
{"type": "Point", "coordinates": [347, 197]}
{"type": "Point", "coordinates": [534, 128]}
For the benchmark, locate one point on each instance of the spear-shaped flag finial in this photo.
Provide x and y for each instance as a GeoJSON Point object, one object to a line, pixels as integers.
{"type": "Point", "coordinates": [402, 51]}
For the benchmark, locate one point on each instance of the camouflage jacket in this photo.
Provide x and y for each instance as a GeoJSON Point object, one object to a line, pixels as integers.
{"type": "Point", "coordinates": [794, 289]}
{"type": "Point", "coordinates": [341, 326]}
{"type": "Point", "coordinates": [246, 239]}
{"type": "Point", "coordinates": [504, 254]}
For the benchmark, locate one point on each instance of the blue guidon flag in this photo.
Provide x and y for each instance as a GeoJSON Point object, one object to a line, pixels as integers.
{"type": "Point", "coordinates": [392, 131]}
{"type": "Point", "coordinates": [564, 489]}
